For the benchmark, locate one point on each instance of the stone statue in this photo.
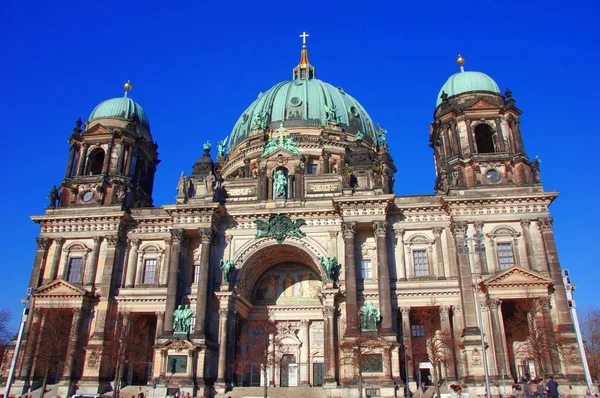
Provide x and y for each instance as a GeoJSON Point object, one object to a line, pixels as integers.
{"type": "Point", "coordinates": [182, 185]}
{"type": "Point", "coordinates": [369, 316]}
{"type": "Point", "coordinates": [381, 137]}
{"type": "Point", "coordinates": [182, 319]}
{"type": "Point", "coordinates": [535, 168]}
{"type": "Point", "coordinates": [329, 264]}
{"type": "Point", "coordinates": [347, 175]}
{"type": "Point", "coordinates": [260, 121]}
{"type": "Point", "coordinates": [221, 147]}
{"type": "Point", "coordinates": [280, 184]}
{"type": "Point", "coordinates": [359, 136]}
{"type": "Point", "coordinates": [330, 113]}
{"type": "Point", "coordinates": [210, 183]}
{"type": "Point", "coordinates": [53, 196]}
{"type": "Point", "coordinates": [227, 268]}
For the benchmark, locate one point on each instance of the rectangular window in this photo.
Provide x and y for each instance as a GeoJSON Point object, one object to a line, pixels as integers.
{"type": "Point", "coordinates": [366, 269]}
{"type": "Point", "coordinates": [372, 363]}
{"type": "Point", "coordinates": [196, 273]}
{"type": "Point", "coordinates": [417, 330]}
{"type": "Point", "coordinates": [149, 272]}
{"type": "Point", "coordinates": [505, 255]}
{"type": "Point", "coordinates": [312, 169]}
{"type": "Point", "coordinates": [75, 268]}
{"type": "Point", "coordinates": [420, 261]}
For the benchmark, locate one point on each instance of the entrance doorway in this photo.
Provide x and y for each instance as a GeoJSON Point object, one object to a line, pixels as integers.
{"type": "Point", "coordinates": [289, 371]}
{"type": "Point", "coordinates": [317, 374]}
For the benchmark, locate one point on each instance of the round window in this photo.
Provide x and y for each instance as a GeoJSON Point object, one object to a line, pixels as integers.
{"type": "Point", "coordinates": [295, 101]}
{"type": "Point", "coordinates": [492, 175]}
{"type": "Point", "coordinates": [244, 118]}
{"type": "Point", "coordinates": [354, 111]}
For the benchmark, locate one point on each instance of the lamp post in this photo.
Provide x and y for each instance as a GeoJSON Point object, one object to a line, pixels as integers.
{"type": "Point", "coordinates": [407, 392]}
{"type": "Point", "coordinates": [473, 245]}
{"type": "Point", "coordinates": [11, 374]}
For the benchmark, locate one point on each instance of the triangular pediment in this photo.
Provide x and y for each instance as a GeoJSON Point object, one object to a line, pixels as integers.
{"type": "Point", "coordinates": [178, 345]}
{"type": "Point", "coordinates": [60, 288]}
{"type": "Point", "coordinates": [283, 152]}
{"type": "Point", "coordinates": [518, 277]}
{"type": "Point", "coordinates": [480, 103]}
{"type": "Point", "coordinates": [97, 129]}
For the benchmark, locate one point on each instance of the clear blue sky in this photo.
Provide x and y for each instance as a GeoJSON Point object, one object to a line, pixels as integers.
{"type": "Point", "coordinates": [195, 66]}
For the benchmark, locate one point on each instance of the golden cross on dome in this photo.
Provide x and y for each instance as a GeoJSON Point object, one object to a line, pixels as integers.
{"type": "Point", "coordinates": [304, 35]}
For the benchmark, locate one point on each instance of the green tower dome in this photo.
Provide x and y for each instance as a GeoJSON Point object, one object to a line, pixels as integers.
{"type": "Point", "coordinates": [303, 102]}
{"type": "Point", "coordinates": [123, 108]}
{"type": "Point", "coordinates": [464, 82]}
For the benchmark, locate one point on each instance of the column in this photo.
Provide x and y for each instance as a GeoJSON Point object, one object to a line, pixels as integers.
{"type": "Point", "coordinates": [32, 341]}
{"type": "Point", "coordinates": [70, 162]}
{"type": "Point", "coordinates": [82, 158]}
{"type": "Point", "coordinates": [269, 188]}
{"type": "Point", "coordinates": [465, 280]}
{"type": "Point", "coordinates": [385, 298]}
{"type": "Point", "coordinates": [305, 353]}
{"type": "Point", "coordinates": [106, 284]}
{"type": "Point", "coordinates": [481, 257]}
{"type": "Point", "coordinates": [407, 341]}
{"type": "Point", "coordinates": [132, 262]}
{"type": "Point", "coordinates": [447, 331]}
{"type": "Point", "coordinates": [39, 262]}
{"type": "Point", "coordinates": [525, 224]}
{"type": "Point", "coordinates": [325, 162]}
{"type": "Point", "coordinates": [223, 329]}
{"type": "Point", "coordinates": [349, 232]}
{"type": "Point", "coordinates": [329, 344]}
{"type": "Point", "coordinates": [160, 320]}
{"type": "Point", "coordinates": [498, 336]}
{"type": "Point", "coordinates": [201, 299]}
{"type": "Point", "coordinates": [399, 253]}
{"type": "Point", "coordinates": [439, 252]}
{"type": "Point", "coordinates": [107, 158]}
{"type": "Point", "coordinates": [164, 268]}
{"type": "Point", "coordinates": [58, 245]}
{"type": "Point", "coordinates": [90, 271]}
{"type": "Point", "coordinates": [72, 354]}
{"type": "Point", "coordinates": [130, 150]}
{"type": "Point", "coordinates": [121, 149]}
{"type": "Point", "coordinates": [458, 324]}
{"type": "Point", "coordinates": [560, 295]}
{"type": "Point", "coordinates": [177, 236]}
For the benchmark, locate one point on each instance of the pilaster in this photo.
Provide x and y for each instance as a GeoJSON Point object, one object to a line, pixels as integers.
{"type": "Point", "coordinates": [177, 236]}
{"type": "Point", "coordinates": [385, 299]}
{"type": "Point", "coordinates": [349, 233]}
{"type": "Point", "coordinates": [201, 298]}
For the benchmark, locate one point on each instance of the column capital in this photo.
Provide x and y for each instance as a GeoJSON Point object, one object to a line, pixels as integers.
{"type": "Point", "coordinates": [97, 240]}
{"type": "Point", "coordinates": [304, 322]}
{"type": "Point", "coordinates": [380, 228]}
{"type": "Point", "coordinates": [349, 229]}
{"type": "Point", "coordinates": [405, 311]}
{"type": "Point", "coordinates": [59, 242]}
{"type": "Point", "coordinates": [206, 234]}
{"type": "Point", "coordinates": [228, 238]}
{"type": "Point", "coordinates": [545, 224]}
{"type": "Point", "coordinates": [399, 231]}
{"type": "Point", "coordinates": [160, 315]}
{"type": "Point", "coordinates": [177, 235]}
{"type": "Point", "coordinates": [328, 311]}
{"type": "Point", "coordinates": [494, 304]}
{"type": "Point", "coordinates": [437, 231]}
{"type": "Point", "coordinates": [42, 243]}
{"type": "Point", "coordinates": [478, 225]}
{"type": "Point", "coordinates": [135, 243]}
{"type": "Point", "coordinates": [525, 223]}
{"type": "Point", "coordinates": [444, 310]}
{"type": "Point", "coordinates": [223, 312]}
{"type": "Point", "coordinates": [458, 228]}
{"type": "Point", "coordinates": [112, 241]}
{"type": "Point", "coordinates": [333, 234]}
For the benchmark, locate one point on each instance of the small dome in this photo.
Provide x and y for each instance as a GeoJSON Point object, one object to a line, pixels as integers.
{"type": "Point", "coordinates": [121, 107]}
{"type": "Point", "coordinates": [303, 103]}
{"type": "Point", "coordinates": [464, 82]}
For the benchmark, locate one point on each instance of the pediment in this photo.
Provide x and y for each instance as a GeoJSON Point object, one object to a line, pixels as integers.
{"type": "Point", "coordinates": [178, 345]}
{"type": "Point", "coordinates": [97, 129]}
{"type": "Point", "coordinates": [480, 103]}
{"type": "Point", "coordinates": [518, 277]}
{"type": "Point", "coordinates": [283, 152]}
{"type": "Point", "coordinates": [60, 288]}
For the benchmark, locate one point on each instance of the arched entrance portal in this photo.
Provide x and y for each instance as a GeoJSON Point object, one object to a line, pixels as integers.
{"type": "Point", "coordinates": [281, 341]}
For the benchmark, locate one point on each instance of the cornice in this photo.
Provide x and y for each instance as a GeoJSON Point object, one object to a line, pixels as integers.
{"type": "Point", "coordinates": [360, 206]}
{"type": "Point", "coordinates": [478, 206]}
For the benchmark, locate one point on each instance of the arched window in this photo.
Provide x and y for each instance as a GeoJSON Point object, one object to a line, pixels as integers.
{"type": "Point", "coordinates": [484, 138]}
{"type": "Point", "coordinates": [96, 161]}
{"type": "Point", "coordinates": [76, 256]}
{"type": "Point", "coordinates": [150, 262]}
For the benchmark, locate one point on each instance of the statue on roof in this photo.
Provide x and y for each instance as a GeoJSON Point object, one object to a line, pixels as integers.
{"type": "Point", "coordinates": [359, 136]}
{"type": "Point", "coordinates": [53, 196]}
{"type": "Point", "coordinates": [330, 113]}
{"type": "Point", "coordinates": [207, 146]}
{"type": "Point", "coordinates": [381, 137]}
{"type": "Point", "coordinates": [260, 121]}
{"type": "Point", "coordinates": [182, 186]}
{"type": "Point", "coordinates": [221, 147]}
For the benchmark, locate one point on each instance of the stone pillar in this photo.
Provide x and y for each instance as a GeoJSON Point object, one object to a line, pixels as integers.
{"type": "Point", "coordinates": [385, 298]}
{"type": "Point", "coordinates": [106, 285]}
{"type": "Point", "coordinates": [128, 160]}
{"type": "Point", "coordinates": [560, 295]}
{"type": "Point", "coordinates": [525, 224]}
{"type": "Point", "coordinates": [107, 158]}
{"type": "Point", "coordinates": [132, 262]}
{"type": "Point", "coordinates": [480, 256]}
{"type": "Point", "coordinates": [70, 162]}
{"type": "Point", "coordinates": [82, 158]}
{"type": "Point", "coordinates": [177, 236]}
{"type": "Point", "coordinates": [203, 280]}
{"type": "Point", "coordinates": [305, 353]}
{"type": "Point", "coordinates": [458, 324]}
{"type": "Point", "coordinates": [58, 245]}
{"type": "Point", "coordinates": [160, 320]}
{"type": "Point", "coordinates": [349, 232]}
{"type": "Point", "coordinates": [269, 188]}
{"type": "Point", "coordinates": [399, 253]}
{"type": "Point", "coordinates": [407, 341]}
{"type": "Point", "coordinates": [224, 309]}
{"type": "Point", "coordinates": [121, 152]}
{"type": "Point", "coordinates": [39, 262]}
{"type": "Point", "coordinates": [72, 354]}
{"type": "Point", "coordinates": [447, 331]}
{"type": "Point", "coordinates": [89, 278]}
{"type": "Point", "coordinates": [326, 156]}
{"type": "Point", "coordinates": [329, 354]}
{"type": "Point", "coordinates": [439, 252]}
{"type": "Point", "coordinates": [164, 269]}
{"type": "Point", "coordinates": [499, 337]}
{"type": "Point", "coordinates": [32, 341]}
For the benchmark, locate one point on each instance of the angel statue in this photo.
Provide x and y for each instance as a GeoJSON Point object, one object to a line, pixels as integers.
{"type": "Point", "coordinates": [329, 264]}
{"type": "Point", "coordinates": [221, 147]}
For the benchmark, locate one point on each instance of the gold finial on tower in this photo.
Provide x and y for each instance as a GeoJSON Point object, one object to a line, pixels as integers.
{"type": "Point", "coordinates": [461, 61]}
{"type": "Point", "coordinates": [127, 87]}
{"type": "Point", "coordinates": [304, 70]}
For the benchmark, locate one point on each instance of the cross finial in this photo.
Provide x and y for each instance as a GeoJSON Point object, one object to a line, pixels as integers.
{"type": "Point", "coordinates": [304, 35]}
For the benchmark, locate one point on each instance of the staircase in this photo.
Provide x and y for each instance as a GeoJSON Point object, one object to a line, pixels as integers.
{"type": "Point", "coordinates": [275, 392]}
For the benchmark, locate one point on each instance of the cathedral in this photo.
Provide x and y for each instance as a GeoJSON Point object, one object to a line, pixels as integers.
{"type": "Point", "coordinates": [287, 261]}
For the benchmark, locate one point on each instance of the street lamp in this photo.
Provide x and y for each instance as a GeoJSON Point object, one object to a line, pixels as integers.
{"type": "Point", "coordinates": [470, 246]}
{"type": "Point", "coordinates": [407, 392]}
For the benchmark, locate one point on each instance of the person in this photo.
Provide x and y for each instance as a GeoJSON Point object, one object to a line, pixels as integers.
{"type": "Point", "coordinates": [588, 394]}
{"type": "Point", "coordinates": [456, 391]}
{"type": "Point", "coordinates": [540, 390]}
{"type": "Point", "coordinates": [528, 389]}
{"type": "Point", "coordinates": [140, 393]}
{"type": "Point", "coordinates": [552, 387]}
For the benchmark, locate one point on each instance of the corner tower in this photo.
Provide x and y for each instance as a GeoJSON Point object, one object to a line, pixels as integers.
{"type": "Point", "coordinates": [113, 161]}
{"type": "Point", "coordinates": [476, 137]}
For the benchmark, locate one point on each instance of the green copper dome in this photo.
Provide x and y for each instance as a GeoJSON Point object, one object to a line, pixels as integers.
{"type": "Point", "coordinates": [464, 82]}
{"type": "Point", "coordinates": [123, 108]}
{"type": "Point", "coordinates": [303, 103]}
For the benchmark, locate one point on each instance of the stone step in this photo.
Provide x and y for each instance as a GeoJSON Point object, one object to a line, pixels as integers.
{"type": "Point", "coordinates": [276, 392]}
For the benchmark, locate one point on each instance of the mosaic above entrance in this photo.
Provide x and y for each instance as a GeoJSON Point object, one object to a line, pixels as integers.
{"type": "Point", "coordinates": [288, 284]}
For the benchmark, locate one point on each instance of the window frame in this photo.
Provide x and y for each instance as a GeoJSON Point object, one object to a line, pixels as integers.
{"type": "Point", "coordinates": [500, 258]}
{"type": "Point", "coordinates": [145, 264]}
{"type": "Point", "coordinates": [70, 264]}
{"type": "Point", "coordinates": [420, 242]}
{"type": "Point", "coordinates": [369, 269]}
{"type": "Point", "coordinates": [505, 234]}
